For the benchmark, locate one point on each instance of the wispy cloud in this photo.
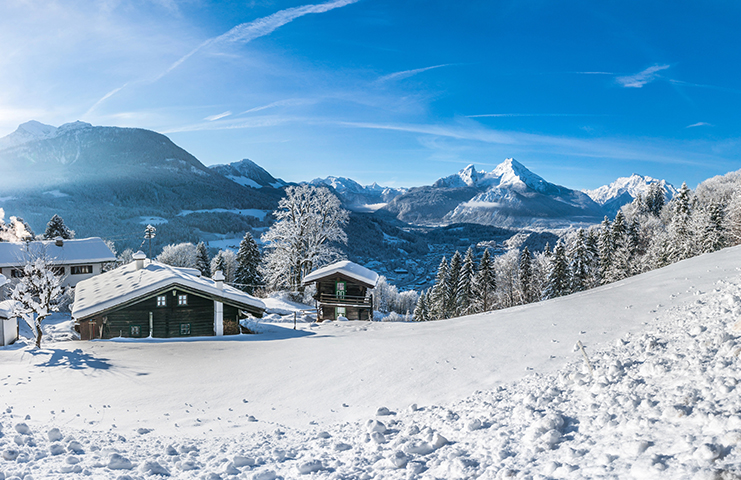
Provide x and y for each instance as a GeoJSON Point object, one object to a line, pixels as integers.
{"type": "Point", "coordinates": [246, 32]}
{"type": "Point", "coordinates": [289, 102]}
{"type": "Point", "coordinates": [211, 118]}
{"type": "Point", "coordinates": [642, 78]}
{"type": "Point", "coordinates": [408, 73]}
{"type": "Point", "coordinates": [700, 85]}
{"type": "Point", "coordinates": [484, 115]}
{"type": "Point", "coordinates": [594, 73]}
{"type": "Point", "coordinates": [557, 145]}
{"type": "Point", "coordinates": [104, 98]}
{"type": "Point", "coordinates": [700, 124]}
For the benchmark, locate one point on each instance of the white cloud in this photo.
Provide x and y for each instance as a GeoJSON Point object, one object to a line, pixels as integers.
{"type": "Point", "coordinates": [211, 118]}
{"type": "Point", "coordinates": [290, 102]}
{"type": "Point", "coordinates": [246, 32]}
{"type": "Point", "coordinates": [700, 124]}
{"type": "Point", "coordinates": [408, 73]}
{"type": "Point", "coordinates": [642, 78]}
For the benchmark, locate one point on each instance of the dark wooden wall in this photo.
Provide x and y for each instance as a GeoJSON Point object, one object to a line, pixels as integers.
{"type": "Point", "coordinates": [327, 287]}
{"type": "Point", "coordinates": [199, 313]}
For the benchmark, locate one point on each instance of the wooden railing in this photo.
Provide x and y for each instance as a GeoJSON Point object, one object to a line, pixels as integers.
{"type": "Point", "coordinates": [345, 299]}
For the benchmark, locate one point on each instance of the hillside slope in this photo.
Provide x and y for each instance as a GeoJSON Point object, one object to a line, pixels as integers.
{"type": "Point", "coordinates": [493, 393]}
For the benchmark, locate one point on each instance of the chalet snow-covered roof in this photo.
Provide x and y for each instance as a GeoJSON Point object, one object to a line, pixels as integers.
{"type": "Point", "coordinates": [347, 268]}
{"type": "Point", "coordinates": [76, 251]}
{"type": "Point", "coordinates": [124, 284]}
{"type": "Point", "coordinates": [6, 309]}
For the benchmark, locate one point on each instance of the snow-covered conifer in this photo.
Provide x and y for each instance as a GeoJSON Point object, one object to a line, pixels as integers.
{"type": "Point", "coordinates": [606, 247]}
{"type": "Point", "coordinates": [712, 236]}
{"type": "Point", "coordinates": [56, 228]}
{"type": "Point", "coordinates": [421, 314]}
{"type": "Point", "coordinates": [525, 277]}
{"type": "Point", "coordinates": [485, 284]}
{"type": "Point", "coordinates": [579, 263]}
{"type": "Point", "coordinates": [557, 284]}
{"type": "Point", "coordinates": [202, 262]}
{"type": "Point", "coordinates": [451, 285]}
{"type": "Point", "coordinates": [247, 276]}
{"type": "Point", "coordinates": [437, 295]}
{"type": "Point", "coordinates": [226, 261]}
{"type": "Point", "coordinates": [655, 199]}
{"type": "Point", "coordinates": [464, 294]}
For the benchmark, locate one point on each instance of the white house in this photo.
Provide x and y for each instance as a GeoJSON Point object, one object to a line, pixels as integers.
{"type": "Point", "coordinates": [76, 260]}
{"type": "Point", "coordinates": [152, 299]}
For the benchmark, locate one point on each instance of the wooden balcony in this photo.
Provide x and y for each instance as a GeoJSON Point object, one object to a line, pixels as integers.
{"type": "Point", "coordinates": [346, 300]}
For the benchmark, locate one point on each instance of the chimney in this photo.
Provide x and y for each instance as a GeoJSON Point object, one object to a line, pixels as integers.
{"type": "Point", "coordinates": [59, 241]}
{"type": "Point", "coordinates": [139, 258]}
{"type": "Point", "coordinates": [218, 277]}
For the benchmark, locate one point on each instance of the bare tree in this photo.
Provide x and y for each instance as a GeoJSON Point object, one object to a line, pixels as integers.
{"type": "Point", "coordinates": [309, 221]}
{"type": "Point", "coordinates": [38, 291]}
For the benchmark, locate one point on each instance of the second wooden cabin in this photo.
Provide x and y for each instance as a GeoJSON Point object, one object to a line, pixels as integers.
{"type": "Point", "coordinates": [343, 289]}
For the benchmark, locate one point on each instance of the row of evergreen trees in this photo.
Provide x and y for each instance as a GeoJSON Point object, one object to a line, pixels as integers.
{"type": "Point", "coordinates": [646, 234]}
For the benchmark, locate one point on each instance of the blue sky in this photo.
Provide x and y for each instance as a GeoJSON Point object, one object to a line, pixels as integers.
{"type": "Point", "coordinates": [395, 92]}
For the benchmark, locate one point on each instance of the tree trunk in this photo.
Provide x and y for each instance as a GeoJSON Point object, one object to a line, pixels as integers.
{"type": "Point", "coordinates": [38, 334]}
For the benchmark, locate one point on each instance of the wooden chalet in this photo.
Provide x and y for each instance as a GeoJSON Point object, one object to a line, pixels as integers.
{"type": "Point", "coordinates": [151, 299]}
{"type": "Point", "coordinates": [343, 289]}
{"type": "Point", "coordinates": [75, 260]}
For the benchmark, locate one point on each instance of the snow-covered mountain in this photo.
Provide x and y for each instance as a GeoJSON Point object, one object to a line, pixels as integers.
{"type": "Point", "coordinates": [625, 189]}
{"type": "Point", "coordinates": [249, 174]}
{"type": "Point", "coordinates": [358, 197]}
{"type": "Point", "coordinates": [104, 180]}
{"type": "Point", "coordinates": [508, 196]}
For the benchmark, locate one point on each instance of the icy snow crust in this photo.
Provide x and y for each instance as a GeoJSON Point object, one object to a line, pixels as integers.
{"type": "Point", "coordinates": [662, 401]}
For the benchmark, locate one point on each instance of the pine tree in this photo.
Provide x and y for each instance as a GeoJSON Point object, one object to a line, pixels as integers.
{"type": "Point", "coordinates": [56, 228]}
{"type": "Point", "coordinates": [606, 246]}
{"type": "Point", "coordinates": [655, 199]}
{"type": "Point", "coordinates": [247, 274]}
{"type": "Point", "coordinates": [525, 276]}
{"type": "Point", "coordinates": [558, 275]}
{"type": "Point", "coordinates": [485, 284]}
{"type": "Point", "coordinates": [436, 297]}
{"type": "Point", "coordinates": [579, 263]}
{"type": "Point", "coordinates": [202, 262]}
{"type": "Point", "coordinates": [421, 314]}
{"type": "Point", "coordinates": [681, 241]}
{"type": "Point", "coordinates": [464, 294]}
{"type": "Point", "coordinates": [713, 230]}
{"type": "Point", "coordinates": [451, 285]}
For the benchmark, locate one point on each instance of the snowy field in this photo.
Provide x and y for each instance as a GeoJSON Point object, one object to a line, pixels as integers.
{"type": "Point", "coordinates": [498, 395]}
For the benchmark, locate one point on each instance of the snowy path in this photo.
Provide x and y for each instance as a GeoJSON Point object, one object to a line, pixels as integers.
{"type": "Point", "coordinates": [663, 401]}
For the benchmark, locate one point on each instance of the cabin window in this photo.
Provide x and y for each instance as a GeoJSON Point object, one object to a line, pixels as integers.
{"type": "Point", "coordinates": [182, 300]}
{"type": "Point", "coordinates": [81, 269]}
{"type": "Point", "coordinates": [58, 271]}
{"type": "Point", "coordinates": [185, 329]}
{"type": "Point", "coordinates": [340, 312]}
{"type": "Point", "coordinates": [17, 273]}
{"type": "Point", "coordinates": [161, 300]}
{"type": "Point", "coordinates": [341, 286]}
{"type": "Point", "coordinates": [136, 331]}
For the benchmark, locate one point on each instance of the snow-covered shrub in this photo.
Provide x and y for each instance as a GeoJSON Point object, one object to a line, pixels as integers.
{"type": "Point", "coordinates": [180, 255]}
